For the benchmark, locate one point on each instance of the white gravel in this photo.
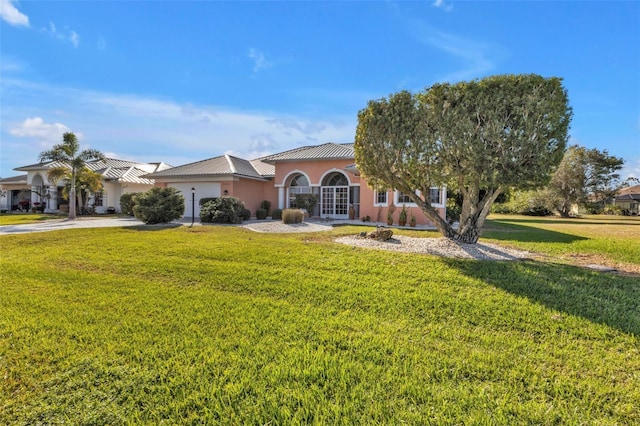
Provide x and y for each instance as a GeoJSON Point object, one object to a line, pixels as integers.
{"type": "Point", "coordinates": [434, 246]}
{"type": "Point", "coordinates": [438, 247]}
{"type": "Point", "coordinates": [281, 228]}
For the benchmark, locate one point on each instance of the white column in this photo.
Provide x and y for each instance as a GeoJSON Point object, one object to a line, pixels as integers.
{"type": "Point", "coordinates": [281, 198]}
{"type": "Point", "coordinates": [53, 198]}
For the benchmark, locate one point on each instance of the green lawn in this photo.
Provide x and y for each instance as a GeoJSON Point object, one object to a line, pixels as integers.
{"type": "Point", "coordinates": [24, 218]}
{"type": "Point", "coordinates": [220, 325]}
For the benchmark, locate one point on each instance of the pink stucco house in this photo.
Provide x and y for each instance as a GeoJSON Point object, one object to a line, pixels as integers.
{"type": "Point", "coordinates": [326, 170]}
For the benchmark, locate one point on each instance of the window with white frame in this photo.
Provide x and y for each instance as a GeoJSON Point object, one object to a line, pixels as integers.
{"type": "Point", "coordinates": [404, 198]}
{"type": "Point", "coordinates": [380, 198]}
{"type": "Point", "coordinates": [299, 185]}
{"type": "Point", "coordinates": [434, 195]}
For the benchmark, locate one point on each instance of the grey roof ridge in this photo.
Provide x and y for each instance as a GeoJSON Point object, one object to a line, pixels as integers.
{"type": "Point", "coordinates": [231, 165]}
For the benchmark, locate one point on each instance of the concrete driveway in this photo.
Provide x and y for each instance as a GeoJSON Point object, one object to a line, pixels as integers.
{"type": "Point", "coordinates": [58, 224]}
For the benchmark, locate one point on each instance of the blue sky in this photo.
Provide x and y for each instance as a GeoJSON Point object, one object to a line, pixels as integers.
{"type": "Point", "coordinates": [185, 81]}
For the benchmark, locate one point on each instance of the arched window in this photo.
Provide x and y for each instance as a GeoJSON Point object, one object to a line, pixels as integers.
{"type": "Point", "coordinates": [299, 184]}
{"type": "Point", "coordinates": [299, 180]}
{"type": "Point", "coordinates": [336, 179]}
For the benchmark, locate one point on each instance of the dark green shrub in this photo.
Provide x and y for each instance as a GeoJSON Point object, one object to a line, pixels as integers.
{"type": "Point", "coordinates": [128, 202]}
{"type": "Point", "coordinates": [266, 204]}
{"type": "Point", "coordinates": [245, 214]}
{"type": "Point", "coordinates": [290, 216]}
{"type": "Point", "coordinates": [222, 210]}
{"type": "Point", "coordinates": [276, 214]}
{"type": "Point", "coordinates": [159, 205]}
{"type": "Point", "coordinates": [261, 214]}
{"type": "Point", "coordinates": [307, 202]}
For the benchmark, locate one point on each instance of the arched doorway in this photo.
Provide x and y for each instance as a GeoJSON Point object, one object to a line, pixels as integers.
{"type": "Point", "coordinates": [334, 200]}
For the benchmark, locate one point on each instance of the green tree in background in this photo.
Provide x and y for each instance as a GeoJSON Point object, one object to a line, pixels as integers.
{"type": "Point", "coordinates": [585, 177]}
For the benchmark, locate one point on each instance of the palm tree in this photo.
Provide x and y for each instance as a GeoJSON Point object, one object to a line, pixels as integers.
{"type": "Point", "coordinates": [87, 181]}
{"type": "Point", "coordinates": [68, 154]}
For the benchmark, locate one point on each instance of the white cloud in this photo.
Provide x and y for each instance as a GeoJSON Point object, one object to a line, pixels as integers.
{"type": "Point", "coordinates": [259, 60]}
{"type": "Point", "coordinates": [10, 14]}
{"type": "Point", "coordinates": [102, 43]}
{"type": "Point", "coordinates": [151, 129]}
{"type": "Point", "coordinates": [631, 169]}
{"type": "Point", "coordinates": [36, 128]}
{"type": "Point", "coordinates": [66, 34]}
{"type": "Point", "coordinates": [440, 4]}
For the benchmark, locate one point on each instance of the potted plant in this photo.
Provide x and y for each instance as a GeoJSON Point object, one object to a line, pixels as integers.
{"type": "Point", "coordinates": [402, 220]}
{"type": "Point", "coordinates": [390, 212]}
{"type": "Point", "coordinates": [412, 221]}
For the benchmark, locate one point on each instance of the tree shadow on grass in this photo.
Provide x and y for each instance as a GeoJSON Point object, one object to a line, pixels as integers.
{"type": "Point", "coordinates": [604, 298]}
{"type": "Point", "coordinates": [511, 232]}
{"type": "Point", "coordinates": [567, 222]}
{"type": "Point", "coordinates": [154, 227]}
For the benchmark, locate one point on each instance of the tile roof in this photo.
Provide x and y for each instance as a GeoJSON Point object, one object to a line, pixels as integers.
{"type": "Point", "coordinates": [223, 165]}
{"type": "Point", "coordinates": [111, 169]}
{"type": "Point", "coordinates": [327, 151]}
{"type": "Point", "coordinates": [14, 179]}
{"type": "Point", "coordinates": [635, 189]}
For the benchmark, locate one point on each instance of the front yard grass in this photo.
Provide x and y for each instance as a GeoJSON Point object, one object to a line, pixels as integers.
{"type": "Point", "coordinates": [220, 325]}
{"type": "Point", "coordinates": [24, 218]}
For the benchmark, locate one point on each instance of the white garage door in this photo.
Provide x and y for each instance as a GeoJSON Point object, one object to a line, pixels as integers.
{"type": "Point", "coordinates": [202, 190]}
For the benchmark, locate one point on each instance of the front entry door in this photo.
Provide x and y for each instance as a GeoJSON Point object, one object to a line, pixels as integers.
{"type": "Point", "coordinates": [335, 202]}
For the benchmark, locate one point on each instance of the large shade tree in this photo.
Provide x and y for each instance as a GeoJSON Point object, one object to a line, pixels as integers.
{"type": "Point", "coordinates": [68, 154]}
{"type": "Point", "coordinates": [478, 138]}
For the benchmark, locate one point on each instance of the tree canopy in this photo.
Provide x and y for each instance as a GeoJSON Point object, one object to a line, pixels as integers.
{"type": "Point", "coordinates": [69, 155]}
{"type": "Point", "coordinates": [586, 177]}
{"type": "Point", "coordinates": [478, 137]}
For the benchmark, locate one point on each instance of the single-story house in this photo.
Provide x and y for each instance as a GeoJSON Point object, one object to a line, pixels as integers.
{"type": "Point", "coordinates": [118, 177]}
{"type": "Point", "coordinates": [326, 170]}
{"type": "Point", "coordinates": [628, 199]}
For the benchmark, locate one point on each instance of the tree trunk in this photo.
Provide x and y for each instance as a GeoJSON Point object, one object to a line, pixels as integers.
{"type": "Point", "coordinates": [469, 236]}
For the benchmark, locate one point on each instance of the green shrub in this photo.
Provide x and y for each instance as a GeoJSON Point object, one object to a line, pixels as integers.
{"type": "Point", "coordinates": [307, 202]}
{"type": "Point", "coordinates": [225, 209]}
{"type": "Point", "coordinates": [128, 202]}
{"type": "Point", "coordinates": [612, 209]}
{"type": "Point", "coordinates": [261, 214]}
{"type": "Point", "coordinates": [266, 204]}
{"type": "Point", "coordinates": [530, 203]}
{"type": "Point", "coordinates": [290, 216]}
{"type": "Point", "coordinates": [159, 205]}
{"type": "Point", "coordinates": [245, 214]}
{"type": "Point", "coordinates": [276, 214]}
{"type": "Point", "coordinates": [205, 200]}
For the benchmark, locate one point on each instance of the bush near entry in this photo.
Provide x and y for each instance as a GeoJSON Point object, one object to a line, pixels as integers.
{"type": "Point", "coordinates": [222, 210]}
{"type": "Point", "coordinates": [159, 205]}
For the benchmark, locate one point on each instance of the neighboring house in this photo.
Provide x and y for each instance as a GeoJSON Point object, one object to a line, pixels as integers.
{"type": "Point", "coordinates": [118, 177]}
{"type": "Point", "coordinates": [327, 171]}
{"type": "Point", "coordinates": [14, 193]}
{"type": "Point", "coordinates": [628, 199]}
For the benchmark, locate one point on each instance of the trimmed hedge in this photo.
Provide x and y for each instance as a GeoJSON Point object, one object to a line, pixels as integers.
{"type": "Point", "coordinates": [225, 209]}
{"type": "Point", "coordinates": [159, 205]}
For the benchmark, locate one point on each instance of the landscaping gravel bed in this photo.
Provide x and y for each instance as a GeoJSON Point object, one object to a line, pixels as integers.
{"type": "Point", "coordinates": [439, 247]}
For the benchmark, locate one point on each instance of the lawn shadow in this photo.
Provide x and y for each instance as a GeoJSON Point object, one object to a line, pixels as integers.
{"type": "Point", "coordinates": [604, 298]}
{"type": "Point", "coordinates": [498, 230]}
{"type": "Point", "coordinates": [154, 227]}
{"type": "Point", "coordinates": [568, 221]}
